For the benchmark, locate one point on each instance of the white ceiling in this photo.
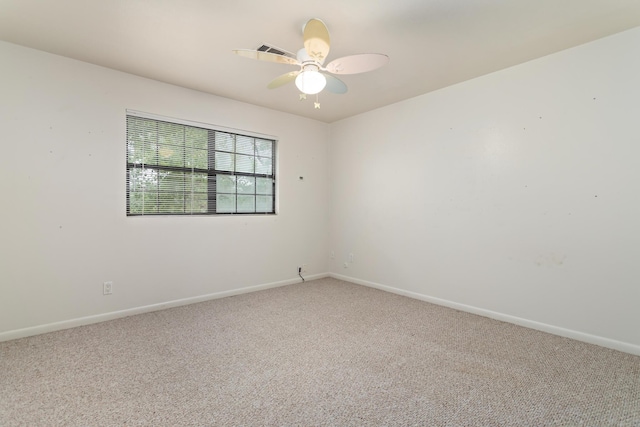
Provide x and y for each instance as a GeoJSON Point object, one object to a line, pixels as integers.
{"type": "Point", "coordinates": [431, 43]}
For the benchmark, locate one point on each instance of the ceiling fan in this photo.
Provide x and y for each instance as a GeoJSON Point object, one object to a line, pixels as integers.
{"type": "Point", "coordinates": [312, 76]}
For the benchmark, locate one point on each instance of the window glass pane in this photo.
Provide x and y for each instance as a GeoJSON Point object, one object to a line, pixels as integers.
{"type": "Point", "coordinates": [142, 137]}
{"type": "Point", "coordinates": [136, 203]}
{"type": "Point", "coordinates": [264, 186]}
{"type": "Point", "coordinates": [171, 181]}
{"type": "Point", "coordinates": [170, 203]}
{"type": "Point", "coordinates": [264, 148]}
{"type": "Point", "coordinates": [224, 141]}
{"type": "Point", "coordinates": [150, 201]}
{"type": "Point", "coordinates": [142, 153]}
{"type": "Point", "coordinates": [135, 152]}
{"type": "Point", "coordinates": [225, 184]}
{"type": "Point", "coordinates": [170, 134]}
{"type": "Point", "coordinates": [264, 203]}
{"type": "Point", "coordinates": [171, 155]}
{"type": "Point", "coordinates": [244, 163]}
{"type": "Point", "coordinates": [196, 137]}
{"type": "Point", "coordinates": [224, 161]}
{"type": "Point", "coordinates": [170, 144]}
{"type": "Point", "coordinates": [246, 203]}
{"type": "Point", "coordinates": [244, 145]}
{"type": "Point", "coordinates": [198, 182]}
{"type": "Point", "coordinates": [196, 158]}
{"type": "Point", "coordinates": [246, 185]}
{"type": "Point", "coordinates": [143, 203]}
{"type": "Point", "coordinates": [143, 179]}
{"type": "Point", "coordinates": [196, 203]}
{"type": "Point", "coordinates": [150, 154]}
{"type": "Point", "coordinates": [225, 203]}
{"type": "Point", "coordinates": [264, 165]}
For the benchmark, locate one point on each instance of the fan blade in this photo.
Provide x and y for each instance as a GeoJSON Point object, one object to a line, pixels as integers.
{"type": "Point", "coordinates": [283, 79]}
{"type": "Point", "coordinates": [355, 64]}
{"type": "Point", "coordinates": [265, 56]}
{"type": "Point", "coordinates": [316, 40]}
{"type": "Point", "coordinates": [335, 85]}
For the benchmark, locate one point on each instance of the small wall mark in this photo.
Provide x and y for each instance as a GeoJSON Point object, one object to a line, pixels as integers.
{"type": "Point", "coordinates": [550, 260]}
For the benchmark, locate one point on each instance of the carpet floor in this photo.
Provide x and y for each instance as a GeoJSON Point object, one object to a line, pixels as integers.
{"type": "Point", "coordinates": [322, 353]}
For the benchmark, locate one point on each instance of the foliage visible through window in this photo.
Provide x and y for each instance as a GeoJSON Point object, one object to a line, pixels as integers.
{"type": "Point", "coordinates": [176, 169]}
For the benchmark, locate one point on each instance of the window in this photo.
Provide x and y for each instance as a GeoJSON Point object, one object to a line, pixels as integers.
{"type": "Point", "coordinates": [180, 169]}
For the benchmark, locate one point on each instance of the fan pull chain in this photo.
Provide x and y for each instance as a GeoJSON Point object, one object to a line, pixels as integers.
{"type": "Point", "coordinates": [316, 104]}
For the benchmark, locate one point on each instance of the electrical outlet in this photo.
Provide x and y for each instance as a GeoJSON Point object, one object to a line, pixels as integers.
{"type": "Point", "coordinates": [304, 268]}
{"type": "Point", "coordinates": [107, 288]}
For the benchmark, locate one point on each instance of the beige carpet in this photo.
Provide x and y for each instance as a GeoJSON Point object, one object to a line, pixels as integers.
{"type": "Point", "coordinates": [322, 353]}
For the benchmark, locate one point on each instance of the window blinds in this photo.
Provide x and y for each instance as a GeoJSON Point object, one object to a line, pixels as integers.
{"type": "Point", "coordinates": [179, 169]}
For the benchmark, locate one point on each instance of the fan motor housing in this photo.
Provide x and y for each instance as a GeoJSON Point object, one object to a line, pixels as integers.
{"type": "Point", "coordinates": [304, 57]}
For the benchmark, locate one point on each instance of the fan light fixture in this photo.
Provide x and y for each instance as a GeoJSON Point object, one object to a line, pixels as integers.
{"type": "Point", "coordinates": [313, 76]}
{"type": "Point", "coordinates": [310, 81]}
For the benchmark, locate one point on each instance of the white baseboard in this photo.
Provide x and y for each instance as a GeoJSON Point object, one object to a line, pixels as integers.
{"type": "Point", "coordinates": [81, 321]}
{"type": "Point", "coordinates": [568, 333]}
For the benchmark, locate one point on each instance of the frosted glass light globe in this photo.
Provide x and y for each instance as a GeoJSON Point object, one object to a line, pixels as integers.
{"type": "Point", "coordinates": [310, 82]}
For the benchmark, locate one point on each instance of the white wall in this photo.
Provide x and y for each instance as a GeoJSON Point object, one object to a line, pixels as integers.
{"type": "Point", "coordinates": [62, 179]}
{"type": "Point", "coordinates": [515, 195]}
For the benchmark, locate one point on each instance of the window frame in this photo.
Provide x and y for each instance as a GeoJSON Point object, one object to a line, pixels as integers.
{"type": "Point", "coordinates": [211, 172]}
